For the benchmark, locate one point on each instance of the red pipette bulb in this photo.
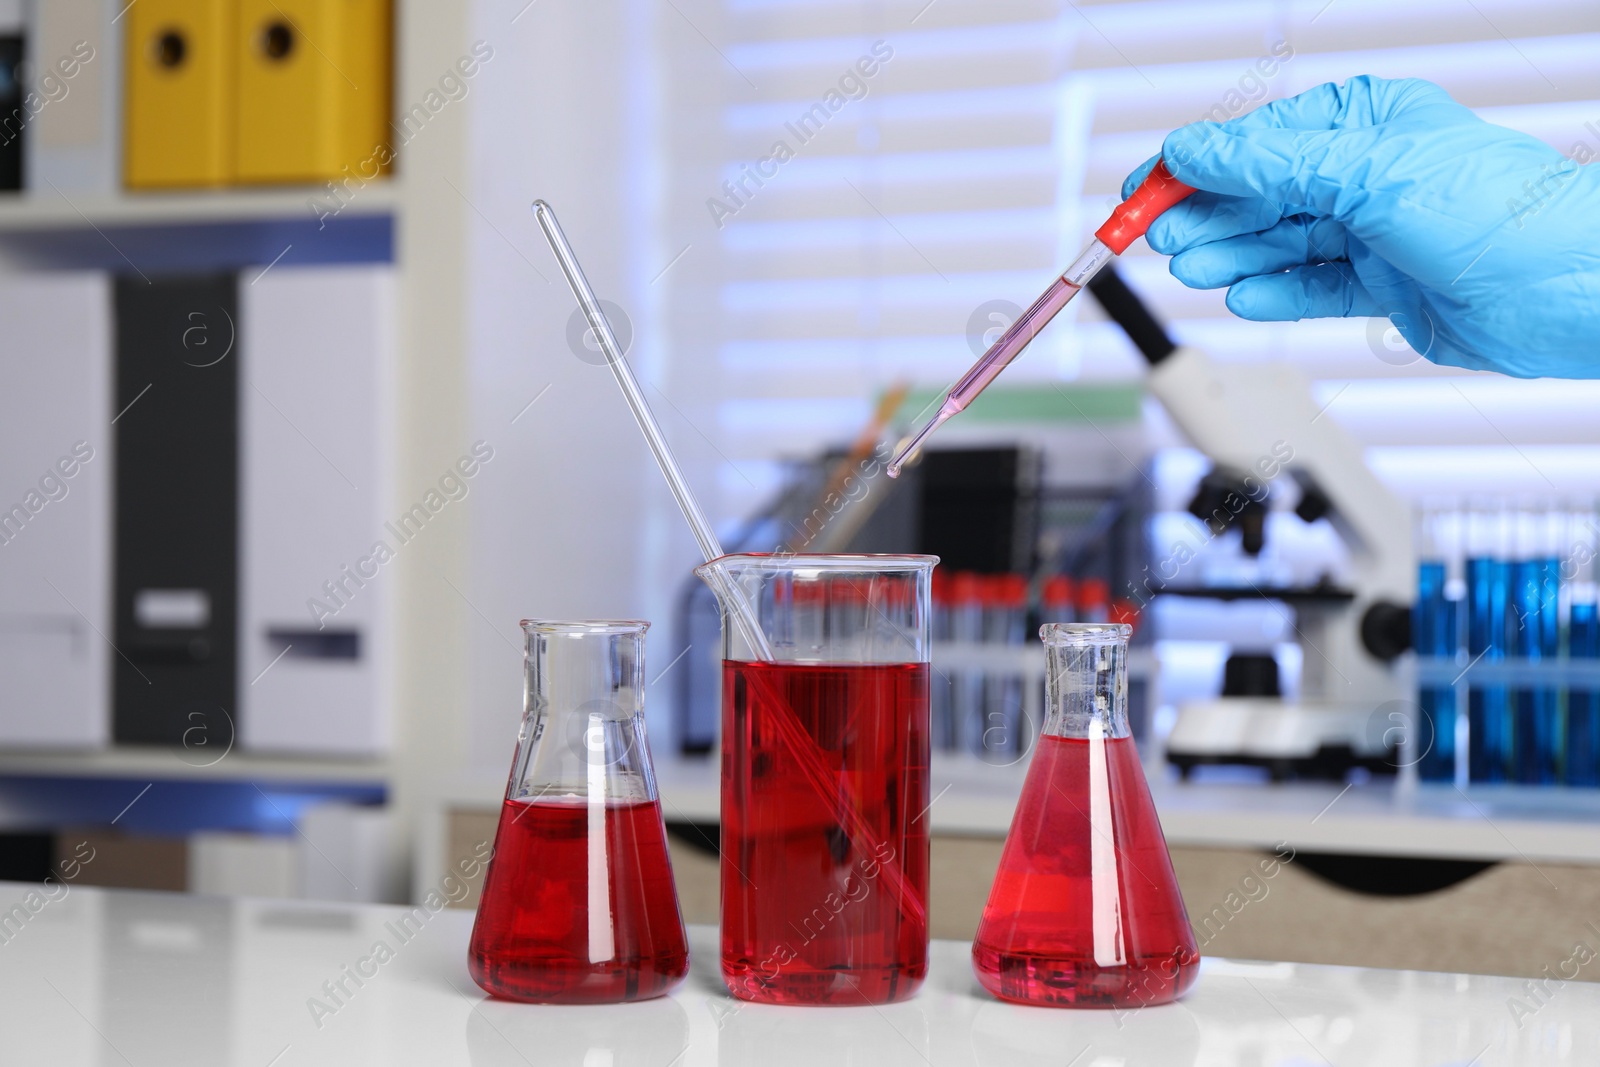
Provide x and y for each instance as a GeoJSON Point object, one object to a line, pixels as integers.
{"type": "Point", "coordinates": [1131, 218]}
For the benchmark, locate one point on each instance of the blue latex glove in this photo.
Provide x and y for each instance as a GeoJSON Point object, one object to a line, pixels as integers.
{"type": "Point", "coordinates": [1388, 198]}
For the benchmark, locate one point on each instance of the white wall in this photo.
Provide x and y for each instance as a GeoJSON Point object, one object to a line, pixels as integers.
{"type": "Point", "coordinates": [569, 519]}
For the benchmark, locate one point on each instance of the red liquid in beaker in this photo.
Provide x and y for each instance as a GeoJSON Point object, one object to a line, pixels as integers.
{"type": "Point", "coordinates": [534, 938]}
{"type": "Point", "coordinates": [813, 913]}
{"type": "Point", "coordinates": [1085, 910]}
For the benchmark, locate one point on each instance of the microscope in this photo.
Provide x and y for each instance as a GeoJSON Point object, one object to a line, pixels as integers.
{"type": "Point", "coordinates": [1256, 423]}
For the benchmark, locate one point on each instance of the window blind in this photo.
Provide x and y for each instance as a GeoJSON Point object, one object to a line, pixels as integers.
{"type": "Point", "coordinates": [989, 140]}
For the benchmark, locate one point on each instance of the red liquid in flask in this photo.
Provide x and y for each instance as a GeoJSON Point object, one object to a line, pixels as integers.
{"type": "Point", "coordinates": [541, 935]}
{"type": "Point", "coordinates": [825, 882]}
{"type": "Point", "coordinates": [1085, 910]}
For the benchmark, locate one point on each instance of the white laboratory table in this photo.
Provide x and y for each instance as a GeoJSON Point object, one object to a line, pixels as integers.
{"type": "Point", "coordinates": [108, 977]}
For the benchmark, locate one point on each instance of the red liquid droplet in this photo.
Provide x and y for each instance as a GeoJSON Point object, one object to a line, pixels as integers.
{"type": "Point", "coordinates": [532, 938]}
{"type": "Point", "coordinates": [1085, 910]}
{"type": "Point", "coordinates": [811, 912]}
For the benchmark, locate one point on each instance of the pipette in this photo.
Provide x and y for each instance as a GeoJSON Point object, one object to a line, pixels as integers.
{"type": "Point", "coordinates": [1128, 221]}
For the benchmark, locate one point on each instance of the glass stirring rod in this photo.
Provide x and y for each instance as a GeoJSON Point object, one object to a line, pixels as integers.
{"type": "Point", "coordinates": [1128, 221]}
{"type": "Point", "coordinates": [743, 612]}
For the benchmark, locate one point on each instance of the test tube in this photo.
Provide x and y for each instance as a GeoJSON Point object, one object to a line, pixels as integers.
{"type": "Point", "coordinates": [966, 683]}
{"type": "Point", "coordinates": [1094, 600]}
{"type": "Point", "coordinates": [1436, 634]}
{"type": "Point", "coordinates": [941, 708]}
{"type": "Point", "coordinates": [1535, 636]}
{"type": "Point", "coordinates": [1581, 762]}
{"type": "Point", "coordinates": [1005, 624]}
{"type": "Point", "coordinates": [1056, 599]}
{"type": "Point", "coordinates": [1488, 707]}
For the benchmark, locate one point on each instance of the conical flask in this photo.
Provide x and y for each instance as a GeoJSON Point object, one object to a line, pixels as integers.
{"type": "Point", "coordinates": [579, 905]}
{"type": "Point", "coordinates": [1085, 910]}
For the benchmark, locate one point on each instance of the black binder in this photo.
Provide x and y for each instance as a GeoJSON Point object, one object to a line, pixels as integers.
{"type": "Point", "coordinates": [176, 505]}
{"type": "Point", "coordinates": [13, 116]}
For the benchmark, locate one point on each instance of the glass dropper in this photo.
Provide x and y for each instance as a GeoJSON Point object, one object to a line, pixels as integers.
{"type": "Point", "coordinates": [1128, 221]}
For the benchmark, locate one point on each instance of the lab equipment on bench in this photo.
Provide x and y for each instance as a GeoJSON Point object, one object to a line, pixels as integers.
{"type": "Point", "coordinates": [838, 690]}
{"type": "Point", "coordinates": [1085, 910]}
{"type": "Point", "coordinates": [1249, 419]}
{"type": "Point", "coordinates": [1526, 670]}
{"type": "Point", "coordinates": [988, 516]}
{"type": "Point", "coordinates": [825, 778]}
{"type": "Point", "coordinates": [579, 905]}
{"type": "Point", "coordinates": [1128, 221]}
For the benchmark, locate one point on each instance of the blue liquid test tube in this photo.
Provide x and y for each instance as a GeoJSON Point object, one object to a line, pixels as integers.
{"type": "Point", "coordinates": [1436, 634]}
{"type": "Point", "coordinates": [1534, 630]}
{"type": "Point", "coordinates": [1434, 621]}
{"type": "Point", "coordinates": [1536, 637]}
{"type": "Point", "coordinates": [1488, 707]}
{"type": "Point", "coordinates": [1581, 755]}
{"type": "Point", "coordinates": [1583, 705]}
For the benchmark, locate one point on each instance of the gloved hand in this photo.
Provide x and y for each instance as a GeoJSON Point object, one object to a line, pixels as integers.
{"type": "Point", "coordinates": [1388, 198]}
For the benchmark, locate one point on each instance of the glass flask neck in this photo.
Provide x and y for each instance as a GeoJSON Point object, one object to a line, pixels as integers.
{"type": "Point", "coordinates": [582, 735]}
{"type": "Point", "coordinates": [1086, 679]}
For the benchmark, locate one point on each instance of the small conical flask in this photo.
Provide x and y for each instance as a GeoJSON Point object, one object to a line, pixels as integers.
{"type": "Point", "coordinates": [1085, 910]}
{"type": "Point", "coordinates": [579, 905]}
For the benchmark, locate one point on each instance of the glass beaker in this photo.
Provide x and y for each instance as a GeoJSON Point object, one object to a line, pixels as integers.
{"type": "Point", "coordinates": [824, 776]}
{"type": "Point", "coordinates": [578, 904]}
{"type": "Point", "coordinates": [1085, 910]}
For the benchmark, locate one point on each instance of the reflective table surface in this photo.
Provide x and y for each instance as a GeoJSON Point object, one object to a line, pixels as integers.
{"type": "Point", "coordinates": [108, 977]}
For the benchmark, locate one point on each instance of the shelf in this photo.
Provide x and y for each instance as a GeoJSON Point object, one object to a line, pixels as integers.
{"type": "Point", "coordinates": [146, 234]}
{"type": "Point", "coordinates": [164, 764]}
{"type": "Point", "coordinates": [36, 211]}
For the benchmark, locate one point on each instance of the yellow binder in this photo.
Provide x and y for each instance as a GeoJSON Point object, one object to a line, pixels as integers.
{"type": "Point", "coordinates": [179, 100]}
{"type": "Point", "coordinates": [313, 89]}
